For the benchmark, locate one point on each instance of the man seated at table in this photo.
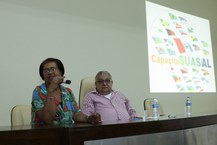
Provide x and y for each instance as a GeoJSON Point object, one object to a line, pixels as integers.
{"type": "Point", "coordinates": [110, 104]}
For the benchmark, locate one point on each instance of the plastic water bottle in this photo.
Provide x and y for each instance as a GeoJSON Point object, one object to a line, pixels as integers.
{"type": "Point", "coordinates": [145, 115]}
{"type": "Point", "coordinates": [188, 107]}
{"type": "Point", "coordinates": [155, 107]}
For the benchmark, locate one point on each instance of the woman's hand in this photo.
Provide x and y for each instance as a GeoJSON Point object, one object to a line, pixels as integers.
{"type": "Point", "coordinates": [54, 84]}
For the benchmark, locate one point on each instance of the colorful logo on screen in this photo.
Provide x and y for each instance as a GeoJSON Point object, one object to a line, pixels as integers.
{"type": "Point", "coordinates": [177, 47]}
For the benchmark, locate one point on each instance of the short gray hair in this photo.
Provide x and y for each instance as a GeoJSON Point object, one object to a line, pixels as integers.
{"type": "Point", "coordinates": [102, 72]}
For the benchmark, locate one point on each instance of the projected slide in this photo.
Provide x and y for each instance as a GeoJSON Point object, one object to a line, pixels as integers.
{"type": "Point", "coordinates": [179, 51]}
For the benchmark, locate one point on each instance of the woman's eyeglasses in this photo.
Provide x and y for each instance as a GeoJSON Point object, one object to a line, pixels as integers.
{"type": "Point", "coordinates": [49, 70]}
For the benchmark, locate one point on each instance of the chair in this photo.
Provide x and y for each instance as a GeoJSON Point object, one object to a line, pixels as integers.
{"type": "Point", "coordinates": [148, 107]}
{"type": "Point", "coordinates": [21, 115]}
{"type": "Point", "coordinates": [87, 84]}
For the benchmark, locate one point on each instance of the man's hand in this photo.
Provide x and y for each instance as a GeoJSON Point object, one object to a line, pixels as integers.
{"type": "Point", "coordinates": [94, 118]}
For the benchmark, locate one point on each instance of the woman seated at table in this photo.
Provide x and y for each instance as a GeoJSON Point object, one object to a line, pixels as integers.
{"type": "Point", "coordinates": [52, 103]}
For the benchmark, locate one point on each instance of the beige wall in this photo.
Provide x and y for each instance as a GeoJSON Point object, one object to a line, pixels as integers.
{"type": "Point", "coordinates": [88, 36]}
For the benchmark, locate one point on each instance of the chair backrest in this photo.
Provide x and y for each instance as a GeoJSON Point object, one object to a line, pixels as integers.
{"type": "Point", "coordinates": [148, 106]}
{"type": "Point", "coordinates": [21, 115]}
{"type": "Point", "coordinates": [87, 84]}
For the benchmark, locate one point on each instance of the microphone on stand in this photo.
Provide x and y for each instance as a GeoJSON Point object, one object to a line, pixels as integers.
{"type": "Point", "coordinates": [67, 82]}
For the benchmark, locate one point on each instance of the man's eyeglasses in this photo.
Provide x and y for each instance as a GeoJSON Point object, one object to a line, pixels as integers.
{"type": "Point", "coordinates": [49, 70]}
{"type": "Point", "coordinates": [104, 81]}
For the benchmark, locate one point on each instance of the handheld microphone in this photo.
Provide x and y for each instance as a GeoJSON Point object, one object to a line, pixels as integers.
{"type": "Point", "coordinates": [67, 82]}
